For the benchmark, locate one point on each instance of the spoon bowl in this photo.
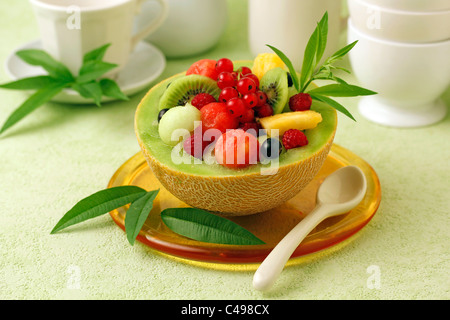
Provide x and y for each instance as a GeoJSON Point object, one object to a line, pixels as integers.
{"type": "Point", "coordinates": [340, 192]}
{"type": "Point", "coordinates": [343, 189]}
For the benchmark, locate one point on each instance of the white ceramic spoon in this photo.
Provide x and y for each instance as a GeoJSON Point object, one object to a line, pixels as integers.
{"type": "Point", "coordinates": [340, 192]}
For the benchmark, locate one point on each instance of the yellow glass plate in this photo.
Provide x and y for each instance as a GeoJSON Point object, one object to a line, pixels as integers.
{"type": "Point", "coordinates": [269, 226]}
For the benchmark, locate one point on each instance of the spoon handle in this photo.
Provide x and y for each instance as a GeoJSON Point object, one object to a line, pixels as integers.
{"type": "Point", "coordinates": [274, 263]}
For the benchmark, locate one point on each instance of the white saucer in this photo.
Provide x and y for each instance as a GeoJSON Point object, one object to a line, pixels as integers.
{"type": "Point", "coordinates": [145, 64]}
{"type": "Point", "coordinates": [376, 111]}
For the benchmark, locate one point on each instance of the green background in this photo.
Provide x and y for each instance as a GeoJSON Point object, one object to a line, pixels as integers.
{"type": "Point", "coordinates": [63, 153]}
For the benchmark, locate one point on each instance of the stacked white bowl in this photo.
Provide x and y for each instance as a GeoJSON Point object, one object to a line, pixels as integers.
{"type": "Point", "coordinates": [403, 53]}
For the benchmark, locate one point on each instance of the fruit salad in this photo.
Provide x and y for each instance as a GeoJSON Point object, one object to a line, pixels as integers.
{"type": "Point", "coordinates": [242, 115]}
{"type": "Point", "coordinates": [242, 137]}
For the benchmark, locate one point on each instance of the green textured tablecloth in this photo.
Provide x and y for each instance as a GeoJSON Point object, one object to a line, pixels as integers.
{"type": "Point", "coordinates": [62, 153]}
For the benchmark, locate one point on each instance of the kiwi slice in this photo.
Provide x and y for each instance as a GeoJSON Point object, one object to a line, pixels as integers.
{"type": "Point", "coordinates": [275, 84]}
{"type": "Point", "coordinates": [182, 90]}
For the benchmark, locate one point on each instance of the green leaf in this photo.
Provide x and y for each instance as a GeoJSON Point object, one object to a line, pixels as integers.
{"type": "Point", "coordinates": [322, 37]}
{"type": "Point", "coordinates": [32, 103]}
{"type": "Point", "coordinates": [309, 58]}
{"type": "Point", "coordinates": [343, 69]}
{"type": "Point", "coordinates": [203, 226]}
{"type": "Point", "coordinates": [90, 90]}
{"type": "Point", "coordinates": [341, 53]}
{"type": "Point", "coordinates": [41, 58]}
{"type": "Point", "coordinates": [137, 214]}
{"type": "Point", "coordinates": [92, 70]}
{"type": "Point", "coordinates": [339, 80]}
{"type": "Point", "coordinates": [332, 103]}
{"type": "Point", "coordinates": [32, 83]}
{"type": "Point", "coordinates": [96, 54]}
{"type": "Point", "coordinates": [341, 90]}
{"type": "Point", "coordinates": [99, 203]}
{"type": "Point", "coordinates": [288, 63]}
{"type": "Point", "coordinates": [111, 89]}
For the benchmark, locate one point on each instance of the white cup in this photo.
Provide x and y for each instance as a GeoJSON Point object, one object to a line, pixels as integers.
{"type": "Point", "coordinates": [288, 25]}
{"type": "Point", "coordinates": [413, 5]}
{"type": "Point", "coordinates": [397, 25]}
{"type": "Point", "coordinates": [408, 77]}
{"type": "Point", "coordinates": [191, 27]}
{"type": "Point", "coordinates": [70, 28]}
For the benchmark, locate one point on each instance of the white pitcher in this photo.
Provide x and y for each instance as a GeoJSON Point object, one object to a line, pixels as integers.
{"type": "Point", "coordinates": [192, 26]}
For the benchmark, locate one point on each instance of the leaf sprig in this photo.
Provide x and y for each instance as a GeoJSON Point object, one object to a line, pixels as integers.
{"type": "Point", "coordinates": [59, 77]}
{"type": "Point", "coordinates": [193, 223]}
{"type": "Point", "coordinates": [311, 70]}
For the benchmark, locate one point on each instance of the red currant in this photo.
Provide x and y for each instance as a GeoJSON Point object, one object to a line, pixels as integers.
{"type": "Point", "coordinates": [225, 79]}
{"type": "Point", "coordinates": [264, 111]}
{"type": "Point", "coordinates": [242, 71]}
{"type": "Point", "coordinates": [236, 106]}
{"type": "Point", "coordinates": [250, 100]}
{"type": "Point", "coordinates": [247, 116]}
{"type": "Point", "coordinates": [235, 75]}
{"type": "Point", "coordinates": [254, 77]}
{"type": "Point", "coordinates": [246, 85]}
{"type": "Point", "coordinates": [224, 65]}
{"type": "Point", "coordinates": [262, 98]}
{"type": "Point", "coordinates": [227, 94]}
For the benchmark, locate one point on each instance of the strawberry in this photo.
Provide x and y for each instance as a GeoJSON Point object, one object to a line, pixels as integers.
{"type": "Point", "coordinates": [204, 67]}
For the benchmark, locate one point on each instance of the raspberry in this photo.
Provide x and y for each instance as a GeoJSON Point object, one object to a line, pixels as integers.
{"type": "Point", "coordinates": [202, 99]}
{"type": "Point", "coordinates": [294, 138]}
{"type": "Point", "coordinates": [195, 145]}
{"type": "Point", "coordinates": [248, 116]}
{"type": "Point", "coordinates": [264, 111]}
{"type": "Point", "coordinates": [250, 125]}
{"type": "Point", "coordinates": [300, 102]}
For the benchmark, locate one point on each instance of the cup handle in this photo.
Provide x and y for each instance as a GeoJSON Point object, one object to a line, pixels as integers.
{"type": "Point", "coordinates": [152, 26]}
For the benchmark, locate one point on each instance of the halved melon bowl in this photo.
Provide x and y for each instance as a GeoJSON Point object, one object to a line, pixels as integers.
{"type": "Point", "coordinates": [227, 191]}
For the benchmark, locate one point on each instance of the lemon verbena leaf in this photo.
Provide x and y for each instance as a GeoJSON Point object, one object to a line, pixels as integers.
{"type": "Point", "coordinates": [341, 90]}
{"type": "Point", "coordinates": [332, 103]}
{"type": "Point", "coordinates": [309, 58]}
{"type": "Point", "coordinates": [137, 214]}
{"type": "Point", "coordinates": [36, 100]}
{"type": "Point", "coordinates": [99, 203]}
{"type": "Point", "coordinates": [289, 64]}
{"type": "Point", "coordinates": [96, 54]}
{"type": "Point", "coordinates": [90, 90]}
{"type": "Point", "coordinates": [341, 53]}
{"type": "Point", "coordinates": [92, 70]}
{"type": "Point", "coordinates": [31, 83]}
{"type": "Point", "coordinates": [322, 37]}
{"type": "Point", "coordinates": [203, 226]}
{"type": "Point", "coordinates": [41, 58]}
{"type": "Point", "coordinates": [111, 89]}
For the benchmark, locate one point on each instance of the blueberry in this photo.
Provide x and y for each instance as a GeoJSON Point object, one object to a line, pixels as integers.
{"type": "Point", "coordinates": [271, 149]}
{"type": "Point", "coordinates": [161, 113]}
{"type": "Point", "coordinates": [289, 78]}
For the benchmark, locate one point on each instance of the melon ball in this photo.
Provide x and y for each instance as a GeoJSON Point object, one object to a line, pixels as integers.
{"type": "Point", "coordinates": [177, 123]}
